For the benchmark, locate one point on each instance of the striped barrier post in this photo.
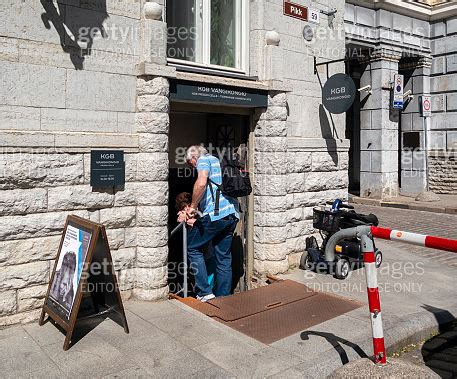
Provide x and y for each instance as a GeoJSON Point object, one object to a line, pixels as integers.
{"type": "Point", "coordinates": [373, 299]}
{"type": "Point", "coordinates": [415, 239]}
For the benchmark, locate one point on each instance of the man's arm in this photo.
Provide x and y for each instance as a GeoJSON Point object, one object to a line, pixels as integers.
{"type": "Point", "coordinates": [199, 188]}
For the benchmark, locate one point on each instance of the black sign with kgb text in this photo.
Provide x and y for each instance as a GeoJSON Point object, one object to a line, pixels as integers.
{"type": "Point", "coordinates": [107, 168]}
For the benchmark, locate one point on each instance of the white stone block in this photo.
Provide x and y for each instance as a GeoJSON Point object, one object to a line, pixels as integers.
{"type": "Point", "coordinates": [451, 63]}
{"type": "Point", "coordinates": [20, 318]}
{"type": "Point", "coordinates": [34, 225]}
{"type": "Point", "coordinates": [152, 237]}
{"type": "Point", "coordinates": [78, 197]}
{"type": "Point", "coordinates": [325, 161]}
{"type": "Point", "coordinates": [117, 238]}
{"type": "Point", "coordinates": [272, 144]}
{"type": "Point", "coordinates": [32, 85]}
{"type": "Point", "coordinates": [18, 252]}
{"type": "Point", "coordinates": [31, 298]}
{"type": "Point", "coordinates": [152, 167]}
{"type": "Point", "coordinates": [33, 139]}
{"type": "Point", "coordinates": [118, 217]}
{"type": "Point", "coordinates": [153, 86]}
{"type": "Point", "coordinates": [270, 219]}
{"type": "Point", "coordinates": [9, 49]}
{"type": "Point", "coordinates": [438, 29]}
{"type": "Point", "coordinates": [271, 235]}
{"type": "Point", "coordinates": [124, 258]}
{"type": "Point", "coordinates": [151, 193]}
{"type": "Point", "coordinates": [21, 276]}
{"type": "Point", "coordinates": [23, 201]}
{"type": "Point", "coordinates": [151, 278]}
{"type": "Point", "coordinates": [153, 103]}
{"type": "Point", "coordinates": [126, 122]}
{"type": "Point", "coordinates": [78, 120]}
{"type": "Point", "coordinates": [153, 122]}
{"type": "Point", "coordinates": [272, 203]}
{"type": "Point", "coordinates": [152, 257]}
{"type": "Point", "coordinates": [272, 163]}
{"type": "Point", "coordinates": [8, 304]}
{"type": "Point", "coordinates": [270, 267]}
{"type": "Point", "coordinates": [365, 16]}
{"type": "Point", "coordinates": [271, 129]}
{"type": "Point", "coordinates": [296, 245]}
{"type": "Point", "coordinates": [319, 181]}
{"type": "Point", "coordinates": [270, 185]}
{"type": "Point", "coordinates": [100, 91]}
{"type": "Point", "coordinates": [274, 113]}
{"type": "Point", "coordinates": [295, 182]}
{"type": "Point", "coordinates": [151, 295]}
{"type": "Point", "coordinates": [152, 216]}
{"type": "Point", "coordinates": [19, 118]}
{"type": "Point", "coordinates": [270, 252]}
{"type": "Point", "coordinates": [153, 142]}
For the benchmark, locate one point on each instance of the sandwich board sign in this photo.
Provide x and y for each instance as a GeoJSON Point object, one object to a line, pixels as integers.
{"type": "Point", "coordinates": [399, 84]}
{"type": "Point", "coordinates": [425, 106]}
{"type": "Point", "coordinates": [83, 269]}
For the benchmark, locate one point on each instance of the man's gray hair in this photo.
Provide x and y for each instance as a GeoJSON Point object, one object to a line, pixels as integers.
{"type": "Point", "coordinates": [195, 151]}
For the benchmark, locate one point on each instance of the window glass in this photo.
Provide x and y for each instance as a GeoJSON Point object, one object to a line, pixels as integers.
{"type": "Point", "coordinates": [223, 32]}
{"type": "Point", "coordinates": [207, 32]}
{"type": "Point", "coordinates": [184, 18]}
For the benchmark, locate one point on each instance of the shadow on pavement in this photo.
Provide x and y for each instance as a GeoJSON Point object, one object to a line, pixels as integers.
{"type": "Point", "coordinates": [440, 352]}
{"type": "Point", "coordinates": [336, 343]}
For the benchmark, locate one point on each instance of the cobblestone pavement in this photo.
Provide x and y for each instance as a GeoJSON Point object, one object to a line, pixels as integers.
{"type": "Point", "coordinates": [436, 224]}
{"type": "Point", "coordinates": [439, 353]}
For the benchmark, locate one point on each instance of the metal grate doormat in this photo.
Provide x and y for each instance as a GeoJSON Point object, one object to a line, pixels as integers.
{"type": "Point", "coordinates": [276, 311]}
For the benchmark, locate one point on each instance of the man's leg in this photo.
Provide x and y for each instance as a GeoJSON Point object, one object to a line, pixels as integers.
{"type": "Point", "coordinates": [201, 233]}
{"type": "Point", "coordinates": [222, 244]}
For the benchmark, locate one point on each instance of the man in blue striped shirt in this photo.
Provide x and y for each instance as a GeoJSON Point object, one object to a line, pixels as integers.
{"type": "Point", "coordinates": [217, 228]}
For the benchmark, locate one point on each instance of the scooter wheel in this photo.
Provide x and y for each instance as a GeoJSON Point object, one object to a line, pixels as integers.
{"type": "Point", "coordinates": [378, 259]}
{"type": "Point", "coordinates": [342, 269]}
{"type": "Point", "coordinates": [304, 261]}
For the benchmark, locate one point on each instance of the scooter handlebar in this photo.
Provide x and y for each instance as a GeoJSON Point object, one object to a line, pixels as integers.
{"type": "Point", "coordinates": [347, 206]}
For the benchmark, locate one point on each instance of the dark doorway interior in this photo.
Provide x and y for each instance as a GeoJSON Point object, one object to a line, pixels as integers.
{"type": "Point", "coordinates": [353, 130]}
{"type": "Point", "coordinates": [215, 131]}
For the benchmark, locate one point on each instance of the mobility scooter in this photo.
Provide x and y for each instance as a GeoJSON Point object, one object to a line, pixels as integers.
{"type": "Point", "coordinates": [348, 253]}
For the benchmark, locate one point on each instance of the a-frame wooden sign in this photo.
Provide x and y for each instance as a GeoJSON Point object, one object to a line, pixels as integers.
{"type": "Point", "coordinates": [83, 268]}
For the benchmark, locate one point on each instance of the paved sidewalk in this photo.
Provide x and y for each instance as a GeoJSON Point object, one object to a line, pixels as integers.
{"type": "Point", "coordinates": [447, 203]}
{"type": "Point", "coordinates": [169, 339]}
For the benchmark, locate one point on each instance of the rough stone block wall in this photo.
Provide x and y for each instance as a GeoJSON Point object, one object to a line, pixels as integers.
{"type": "Point", "coordinates": [443, 174]}
{"type": "Point", "coordinates": [289, 183]}
{"type": "Point", "coordinates": [57, 102]}
{"type": "Point", "coordinates": [443, 125]}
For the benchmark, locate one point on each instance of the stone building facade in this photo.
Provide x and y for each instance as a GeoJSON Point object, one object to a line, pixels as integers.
{"type": "Point", "coordinates": [82, 75]}
{"type": "Point", "coordinates": [65, 92]}
{"type": "Point", "coordinates": [416, 39]}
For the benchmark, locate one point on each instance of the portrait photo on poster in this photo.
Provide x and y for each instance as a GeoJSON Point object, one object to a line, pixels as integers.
{"type": "Point", "coordinates": [69, 267]}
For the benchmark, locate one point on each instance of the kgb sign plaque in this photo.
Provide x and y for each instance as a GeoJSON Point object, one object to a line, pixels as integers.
{"type": "Point", "coordinates": [338, 94]}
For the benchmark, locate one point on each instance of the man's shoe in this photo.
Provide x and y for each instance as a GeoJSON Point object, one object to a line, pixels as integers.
{"type": "Point", "coordinates": [205, 298]}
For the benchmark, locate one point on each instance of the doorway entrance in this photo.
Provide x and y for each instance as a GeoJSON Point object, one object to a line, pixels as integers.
{"type": "Point", "coordinates": [222, 131]}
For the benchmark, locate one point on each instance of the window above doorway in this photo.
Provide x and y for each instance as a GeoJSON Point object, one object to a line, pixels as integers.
{"type": "Point", "coordinates": [208, 33]}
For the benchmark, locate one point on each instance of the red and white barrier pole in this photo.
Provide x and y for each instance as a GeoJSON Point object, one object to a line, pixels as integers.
{"type": "Point", "coordinates": [374, 303]}
{"type": "Point", "coordinates": [415, 239]}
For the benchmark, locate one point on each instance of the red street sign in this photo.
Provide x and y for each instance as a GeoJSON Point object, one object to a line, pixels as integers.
{"type": "Point", "coordinates": [426, 105]}
{"type": "Point", "coordinates": [295, 10]}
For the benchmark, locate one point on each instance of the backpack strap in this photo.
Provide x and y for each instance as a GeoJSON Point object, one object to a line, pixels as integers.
{"type": "Point", "coordinates": [218, 195]}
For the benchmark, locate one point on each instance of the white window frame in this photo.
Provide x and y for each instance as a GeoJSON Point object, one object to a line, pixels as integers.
{"type": "Point", "coordinates": [242, 40]}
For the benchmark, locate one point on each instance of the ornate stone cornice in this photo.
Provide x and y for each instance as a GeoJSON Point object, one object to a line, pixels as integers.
{"type": "Point", "coordinates": [381, 54]}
